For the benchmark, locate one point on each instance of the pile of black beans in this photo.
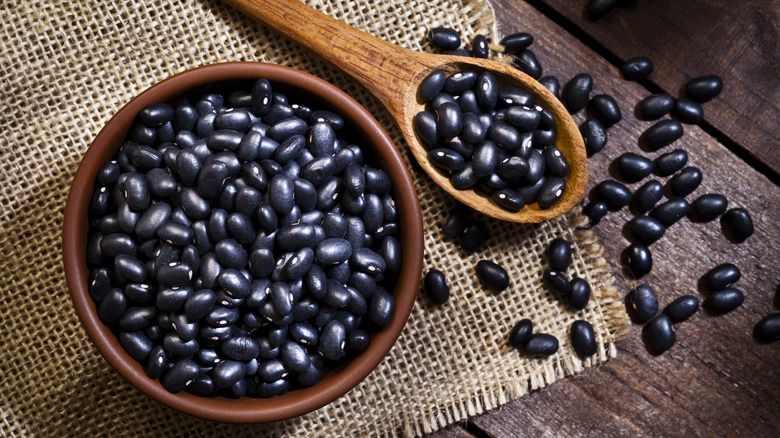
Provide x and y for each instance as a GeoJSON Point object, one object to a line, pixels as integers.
{"type": "Point", "coordinates": [240, 245]}
{"type": "Point", "coordinates": [496, 141]}
{"type": "Point", "coordinates": [504, 111]}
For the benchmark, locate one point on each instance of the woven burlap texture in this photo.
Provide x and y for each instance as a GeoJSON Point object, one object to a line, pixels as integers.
{"type": "Point", "coordinates": [66, 67]}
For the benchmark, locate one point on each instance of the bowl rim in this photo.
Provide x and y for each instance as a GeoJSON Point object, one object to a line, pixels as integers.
{"type": "Point", "coordinates": [335, 382]}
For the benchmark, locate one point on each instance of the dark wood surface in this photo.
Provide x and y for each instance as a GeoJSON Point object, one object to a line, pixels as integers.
{"type": "Point", "coordinates": [717, 380]}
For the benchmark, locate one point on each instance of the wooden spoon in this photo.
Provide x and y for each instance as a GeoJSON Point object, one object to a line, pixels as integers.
{"type": "Point", "coordinates": [393, 74]}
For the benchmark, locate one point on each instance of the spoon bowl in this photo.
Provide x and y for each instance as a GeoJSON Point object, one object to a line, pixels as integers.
{"type": "Point", "coordinates": [393, 75]}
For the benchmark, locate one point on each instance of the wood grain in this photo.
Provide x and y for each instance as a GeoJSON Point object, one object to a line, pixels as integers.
{"type": "Point", "coordinates": [740, 41]}
{"type": "Point", "coordinates": [717, 380]}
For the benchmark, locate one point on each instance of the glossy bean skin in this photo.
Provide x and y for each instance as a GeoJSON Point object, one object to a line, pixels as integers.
{"type": "Point", "coordinates": [726, 300]}
{"type": "Point", "coordinates": [671, 211]}
{"type": "Point", "coordinates": [646, 229]}
{"type": "Point", "coordinates": [576, 92]}
{"type": "Point", "coordinates": [583, 338]}
{"type": "Point", "coordinates": [656, 106]}
{"type": "Point", "coordinates": [559, 254]}
{"type": "Point", "coordinates": [444, 38]}
{"type": "Point", "coordinates": [682, 308]}
{"type": "Point", "coordinates": [640, 260]}
{"type": "Point", "coordinates": [644, 302]}
{"type": "Point", "coordinates": [594, 134]}
{"type": "Point", "coordinates": [605, 109]}
{"type": "Point", "coordinates": [634, 167]}
{"type": "Point", "coordinates": [520, 333]}
{"type": "Point", "coordinates": [557, 282]}
{"type": "Point", "coordinates": [646, 196]}
{"type": "Point", "coordinates": [660, 333]}
{"type": "Point", "coordinates": [661, 134]}
{"type": "Point", "coordinates": [527, 62]}
{"type": "Point", "coordinates": [685, 182]}
{"type": "Point", "coordinates": [688, 111]}
{"type": "Point", "coordinates": [579, 294]}
{"type": "Point", "coordinates": [709, 206]}
{"type": "Point", "coordinates": [768, 328]}
{"type": "Point", "coordinates": [541, 344]}
{"type": "Point", "coordinates": [670, 162]}
{"type": "Point", "coordinates": [492, 275]}
{"type": "Point", "coordinates": [615, 194]}
{"type": "Point", "coordinates": [637, 68]}
{"type": "Point", "coordinates": [739, 223]}
{"type": "Point", "coordinates": [722, 276]}
{"type": "Point", "coordinates": [595, 211]}
{"type": "Point", "coordinates": [704, 88]}
{"type": "Point", "coordinates": [517, 42]}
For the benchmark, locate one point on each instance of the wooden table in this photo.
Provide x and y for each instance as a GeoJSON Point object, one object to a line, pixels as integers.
{"type": "Point", "coordinates": [717, 380]}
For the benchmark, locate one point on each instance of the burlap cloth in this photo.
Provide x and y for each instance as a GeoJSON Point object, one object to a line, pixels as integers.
{"type": "Point", "coordinates": [67, 66]}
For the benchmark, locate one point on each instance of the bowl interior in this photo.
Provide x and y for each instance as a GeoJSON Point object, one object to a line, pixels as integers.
{"type": "Point", "coordinates": [379, 151]}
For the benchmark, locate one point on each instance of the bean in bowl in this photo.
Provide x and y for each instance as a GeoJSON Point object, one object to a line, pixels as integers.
{"type": "Point", "coordinates": [240, 244]}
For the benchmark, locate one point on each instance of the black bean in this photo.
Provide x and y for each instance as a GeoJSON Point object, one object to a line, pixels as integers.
{"type": "Point", "coordinates": [449, 120]}
{"type": "Point", "coordinates": [283, 129]}
{"type": "Point", "coordinates": [432, 84]}
{"type": "Point", "coordinates": [559, 254]}
{"type": "Point", "coordinates": [231, 254]}
{"type": "Point", "coordinates": [205, 126]}
{"type": "Point", "coordinates": [704, 88]}
{"type": "Point", "coordinates": [328, 193]}
{"type": "Point", "coordinates": [671, 211]}
{"type": "Point", "coordinates": [637, 68]}
{"type": "Point", "coordinates": [670, 162]}
{"type": "Point", "coordinates": [726, 300]}
{"type": "Point", "coordinates": [648, 195]}
{"type": "Point", "coordinates": [644, 302]}
{"type": "Point", "coordinates": [516, 42]}
{"type": "Point", "coordinates": [178, 346]}
{"type": "Point", "coordinates": [457, 221]}
{"type": "Point", "coordinates": [580, 293]}
{"type": "Point", "coordinates": [115, 244]}
{"type": "Point", "coordinates": [446, 159]}
{"type": "Point", "coordinates": [688, 111]}
{"type": "Point", "coordinates": [682, 308]}
{"type": "Point", "coordinates": [662, 133]}
{"type": "Point", "coordinates": [193, 204]}
{"type": "Point", "coordinates": [112, 307]}
{"type": "Point", "coordinates": [390, 250]}
{"type": "Point", "coordinates": [557, 282]}
{"type": "Point", "coordinates": [446, 97]}
{"type": "Point", "coordinates": [522, 117]}
{"type": "Point", "coordinates": [615, 194]}
{"type": "Point", "coordinates": [660, 333]}
{"type": "Point", "coordinates": [180, 376]}
{"type": "Point", "coordinates": [137, 345]}
{"type": "Point", "coordinates": [512, 168]}
{"type": "Point", "coordinates": [464, 178]}
{"type": "Point", "coordinates": [634, 167]}
{"type": "Point", "coordinates": [237, 119]}
{"type": "Point", "coordinates": [594, 134]}
{"type": "Point", "coordinates": [550, 192]}
{"type": "Point", "coordinates": [555, 161]}
{"type": "Point", "coordinates": [444, 38]}
{"type": "Point", "coordinates": [583, 338]}
{"type": "Point", "coordinates": [234, 283]}
{"type": "Point", "coordinates": [739, 223]}
{"type": "Point", "coordinates": [769, 328]}
{"type": "Point", "coordinates": [640, 260]}
{"type": "Point", "coordinates": [485, 159]}
{"type": "Point", "coordinates": [504, 135]}
{"type": "Point", "coordinates": [332, 340]}
{"type": "Point", "coordinates": [174, 274]}
{"type": "Point", "coordinates": [656, 106]}
{"type": "Point", "coordinates": [487, 90]}
{"type": "Point", "coordinates": [378, 182]}
{"type": "Point", "coordinates": [381, 308]}
{"type": "Point", "coordinates": [508, 199]}
{"type": "Point", "coordinates": [530, 191]}
{"type": "Point", "coordinates": [367, 261]}
{"type": "Point", "coordinates": [473, 237]}
{"type": "Point", "coordinates": [722, 276]}
{"type": "Point", "coordinates": [461, 81]}
{"type": "Point", "coordinates": [685, 182]}
{"type": "Point", "coordinates": [552, 84]}
{"type": "Point", "coordinates": [156, 362]}
{"type": "Point", "coordinates": [527, 62]}
{"type": "Point", "coordinates": [520, 333]}
{"type": "Point", "coordinates": [598, 9]}
{"type": "Point", "coordinates": [605, 109]}
{"type": "Point", "coordinates": [576, 92]}
{"type": "Point", "coordinates": [262, 93]}
{"type": "Point", "coordinates": [199, 304]}
{"type": "Point", "coordinates": [515, 97]}
{"type": "Point", "coordinates": [473, 131]}
{"type": "Point", "coordinates": [541, 344]}
{"type": "Point", "coordinates": [130, 268]}
{"type": "Point", "coordinates": [646, 229]}
{"type": "Point", "coordinates": [709, 206]}
{"type": "Point", "coordinates": [436, 287]}
{"type": "Point", "coordinates": [175, 233]}
{"type": "Point", "coordinates": [492, 275]}
{"type": "Point", "coordinates": [595, 211]}
{"type": "Point", "coordinates": [227, 373]}
{"type": "Point", "coordinates": [241, 348]}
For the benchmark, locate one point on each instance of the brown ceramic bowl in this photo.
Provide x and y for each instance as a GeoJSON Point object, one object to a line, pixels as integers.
{"type": "Point", "coordinates": [379, 151]}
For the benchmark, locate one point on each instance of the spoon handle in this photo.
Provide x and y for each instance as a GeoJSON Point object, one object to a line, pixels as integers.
{"type": "Point", "coordinates": [388, 71]}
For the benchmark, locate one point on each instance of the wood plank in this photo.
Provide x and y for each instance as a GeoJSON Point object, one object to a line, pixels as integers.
{"type": "Point", "coordinates": [739, 41]}
{"type": "Point", "coordinates": [717, 380]}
